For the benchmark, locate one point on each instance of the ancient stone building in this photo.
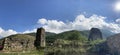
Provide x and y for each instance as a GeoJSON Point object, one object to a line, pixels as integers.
{"type": "Point", "coordinates": [95, 34]}
{"type": "Point", "coordinates": [40, 38]}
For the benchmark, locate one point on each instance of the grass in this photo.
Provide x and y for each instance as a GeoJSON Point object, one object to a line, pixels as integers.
{"type": "Point", "coordinates": [41, 52]}
{"type": "Point", "coordinates": [66, 51]}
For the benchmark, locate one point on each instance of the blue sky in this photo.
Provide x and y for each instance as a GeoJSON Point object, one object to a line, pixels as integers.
{"type": "Point", "coordinates": [22, 15]}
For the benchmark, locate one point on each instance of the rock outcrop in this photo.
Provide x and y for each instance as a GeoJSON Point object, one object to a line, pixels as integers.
{"type": "Point", "coordinates": [95, 34]}
{"type": "Point", "coordinates": [40, 38]}
{"type": "Point", "coordinates": [113, 43]}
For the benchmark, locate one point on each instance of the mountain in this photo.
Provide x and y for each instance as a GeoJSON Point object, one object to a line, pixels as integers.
{"type": "Point", "coordinates": [106, 33]}
{"type": "Point", "coordinates": [68, 35]}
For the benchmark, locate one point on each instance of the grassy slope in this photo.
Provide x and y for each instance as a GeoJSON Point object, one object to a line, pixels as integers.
{"type": "Point", "coordinates": [68, 35]}
{"type": "Point", "coordinates": [23, 53]}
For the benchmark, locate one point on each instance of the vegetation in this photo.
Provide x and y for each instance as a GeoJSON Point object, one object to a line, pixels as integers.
{"type": "Point", "coordinates": [73, 43]}
{"type": "Point", "coordinates": [69, 35]}
{"type": "Point", "coordinates": [66, 47]}
{"type": "Point", "coordinates": [24, 53]}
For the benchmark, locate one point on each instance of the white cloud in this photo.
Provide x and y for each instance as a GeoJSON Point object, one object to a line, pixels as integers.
{"type": "Point", "coordinates": [54, 26]}
{"type": "Point", "coordinates": [118, 20]}
{"type": "Point", "coordinates": [29, 31]}
{"type": "Point", "coordinates": [5, 33]}
{"type": "Point", "coordinates": [81, 22]}
{"type": "Point", "coordinates": [42, 21]}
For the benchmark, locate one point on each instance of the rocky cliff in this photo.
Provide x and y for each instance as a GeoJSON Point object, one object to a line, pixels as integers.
{"type": "Point", "coordinates": [114, 44]}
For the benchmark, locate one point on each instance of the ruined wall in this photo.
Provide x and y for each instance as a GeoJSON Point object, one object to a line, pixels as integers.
{"type": "Point", "coordinates": [19, 43]}
{"type": "Point", "coordinates": [23, 42]}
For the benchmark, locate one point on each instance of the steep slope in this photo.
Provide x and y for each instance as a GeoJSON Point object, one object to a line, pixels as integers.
{"type": "Point", "coordinates": [114, 44]}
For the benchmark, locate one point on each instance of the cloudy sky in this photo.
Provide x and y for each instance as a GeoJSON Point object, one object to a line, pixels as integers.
{"type": "Point", "coordinates": [24, 16]}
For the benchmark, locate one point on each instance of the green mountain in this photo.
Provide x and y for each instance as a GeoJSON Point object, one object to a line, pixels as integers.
{"type": "Point", "coordinates": [68, 35]}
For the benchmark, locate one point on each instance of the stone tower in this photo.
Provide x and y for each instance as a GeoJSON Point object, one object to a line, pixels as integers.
{"type": "Point", "coordinates": [40, 38]}
{"type": "Point", "coordinates": [95, 34]}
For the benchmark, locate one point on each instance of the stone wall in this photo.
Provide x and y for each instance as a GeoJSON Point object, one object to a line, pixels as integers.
{"type": "Point", "coordinates": [19, 43]}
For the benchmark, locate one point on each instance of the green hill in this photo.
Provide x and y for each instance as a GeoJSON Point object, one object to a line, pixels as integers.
{"type": "Point", "coordinates": [21, 36]}
{"type": "Point", "coordinates": [68, 35]}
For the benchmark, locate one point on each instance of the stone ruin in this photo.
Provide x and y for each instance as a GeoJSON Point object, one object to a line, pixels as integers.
{"type": "Point", "coordinates": [40, 38]}
{"type": "Point", "coordinates": [24, 42]}
{"type": "Point", "coordinates": [95, 34]}
{"type": "Point", "coordinates": [18, 44]}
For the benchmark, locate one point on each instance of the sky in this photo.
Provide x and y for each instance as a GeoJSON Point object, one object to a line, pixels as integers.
{"type": "Point", "coordinates": [25, 16]}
